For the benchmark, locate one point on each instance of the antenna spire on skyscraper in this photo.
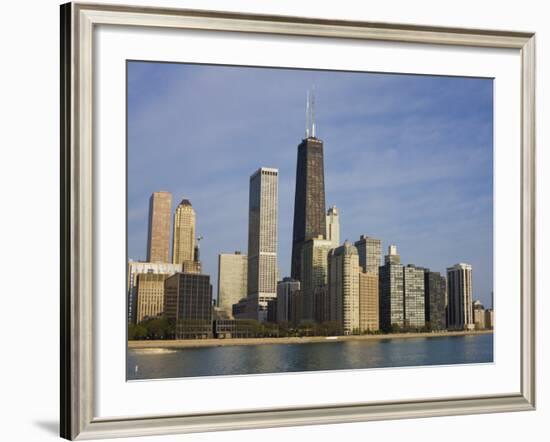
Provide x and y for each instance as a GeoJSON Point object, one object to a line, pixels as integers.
{"type": "Point", "coordinates": [312, 107]}
{"type": "Point", "coordinates": [307, 114]}
{"type": "Point", "coordinates": [310, 112]}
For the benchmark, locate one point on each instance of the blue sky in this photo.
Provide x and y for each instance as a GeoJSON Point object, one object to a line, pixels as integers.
{"type": "Point", "coordinates": [408, 158]}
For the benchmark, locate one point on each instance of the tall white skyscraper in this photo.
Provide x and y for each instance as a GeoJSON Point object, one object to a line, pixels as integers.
{"type": "Point", "coordinates": [333, 227]}
{"type": "Point", "coordinates": [232, 279]}
{"type": "Point", "coordinates": [459, 291]}
{"type": "Point", "coordinates": [262, 241]}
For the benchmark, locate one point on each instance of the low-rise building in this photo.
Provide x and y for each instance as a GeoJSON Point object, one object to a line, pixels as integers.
{"type": "Point", "coordinates": [287, 290]}
{"type": "Point", "coordinates": [150, 295]}
{"type": "Point", "coordinates": [234, 328]}
{"type": "Point", "coordinates": [188, 302]}
{"type": "Point", "coordinates": [479, 315]}
{"type": "Point", "coordinates": [490, 318]}
{"type": "Point", "coordinates": [321, 304]}
{"type": "Point", "coordinates": [240, 309]}
{"type": "Point", "coordinates": [272, 311]}
{"type": "Point", "coordinates": [138, 267]}
{"type": "Point", "coordinates": [479, 319]}
{"type": "Point", "coordinates": [232, 279]}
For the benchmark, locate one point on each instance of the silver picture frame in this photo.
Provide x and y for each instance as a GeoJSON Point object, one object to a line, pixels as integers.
{"type": "Point", "coordinates": [78, 21]}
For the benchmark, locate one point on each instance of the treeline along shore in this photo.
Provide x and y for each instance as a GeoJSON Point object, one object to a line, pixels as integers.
{"type": "Point", "coordinates": [193, 343]}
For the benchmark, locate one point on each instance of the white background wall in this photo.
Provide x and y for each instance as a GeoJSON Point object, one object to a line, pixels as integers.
{"type": "Point", "coordinates": [29, 175]}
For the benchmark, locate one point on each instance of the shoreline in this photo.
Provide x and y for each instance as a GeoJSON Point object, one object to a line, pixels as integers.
{"type": "Point", "coordinates": [214, 342]}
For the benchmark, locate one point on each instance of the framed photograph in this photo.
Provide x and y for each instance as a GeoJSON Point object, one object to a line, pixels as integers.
{"type": "Point", "coordinates": [274, 221]}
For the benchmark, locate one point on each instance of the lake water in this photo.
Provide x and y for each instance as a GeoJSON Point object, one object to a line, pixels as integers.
{"type": "Point", "coordinates": [276, 358]}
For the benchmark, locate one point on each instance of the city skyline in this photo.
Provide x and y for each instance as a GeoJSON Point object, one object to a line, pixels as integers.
{"type": "Point", "coordinates": [424, 243]}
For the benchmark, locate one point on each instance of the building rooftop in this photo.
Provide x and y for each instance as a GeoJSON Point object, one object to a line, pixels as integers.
{"type": "Point", "coordinates": [264, 171]}
{"type": "Point", "coordinates": [460, 265]}
{"type": "Point", "coordinates": [345, 249]}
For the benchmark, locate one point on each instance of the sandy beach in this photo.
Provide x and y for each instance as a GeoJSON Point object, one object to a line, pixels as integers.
{"type": "Point", "coordinates": [191, 343]}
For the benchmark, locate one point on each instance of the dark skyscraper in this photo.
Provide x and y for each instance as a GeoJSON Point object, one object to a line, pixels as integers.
{"type": "Point", "coordinates": [188, 302]}
{"type": "Point", "coordinates": [435, 287]}
{"type": "Point", "coordinates": [309, 199]}
{"type": "Point", "coordinates": [459, 297]}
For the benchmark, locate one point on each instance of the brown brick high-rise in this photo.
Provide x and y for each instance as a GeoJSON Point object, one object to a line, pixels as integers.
{"type": "Point", "coordinates": [309, 200]}
{"type": "Point", "coordinates": [158, 238]}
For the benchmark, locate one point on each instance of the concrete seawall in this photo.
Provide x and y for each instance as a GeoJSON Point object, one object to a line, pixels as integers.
{"type": "Point", "coordinates": [193, 343]}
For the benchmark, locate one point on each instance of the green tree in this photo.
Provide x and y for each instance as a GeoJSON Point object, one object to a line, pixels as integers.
{"type": "Point", "coordinates": [257, 329]}
{"type": "Point", "coordinates": [330, 328]}
{"type": "Point", "coordinates": [306, 328]}
{"type": "Point", "coordinates": [157, 328]}
{"type": "Point", "coordinates": [136, 332]}
{"type": "Point", "coordinates": [284, 329]}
